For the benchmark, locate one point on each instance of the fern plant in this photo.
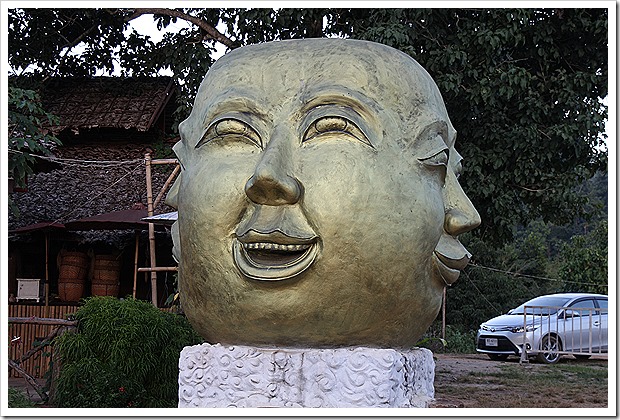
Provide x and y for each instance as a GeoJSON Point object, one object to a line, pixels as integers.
{"type": "Point", "coordinates": [124, 353]}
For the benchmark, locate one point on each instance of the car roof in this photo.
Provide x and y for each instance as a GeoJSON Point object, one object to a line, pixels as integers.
{"type": "Point", "coordinates": [576, 295]}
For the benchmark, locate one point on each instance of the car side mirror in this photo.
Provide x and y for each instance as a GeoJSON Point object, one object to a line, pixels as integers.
{"type": "Point", "coordinates": [569, 313]}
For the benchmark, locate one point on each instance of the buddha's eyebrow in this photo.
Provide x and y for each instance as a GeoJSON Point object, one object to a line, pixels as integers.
{"type": "Point", "coordinates": [233, 100]}
{"type": "Point", "coordinates": [339, 95]}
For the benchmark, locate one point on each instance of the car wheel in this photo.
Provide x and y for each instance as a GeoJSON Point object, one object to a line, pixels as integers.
{"type": "Point", "coordinates": [550, 348]}
{"type": "Point", "coordinates": [582, 356]}
{"type": "Point", "coordinates": [498, 357]}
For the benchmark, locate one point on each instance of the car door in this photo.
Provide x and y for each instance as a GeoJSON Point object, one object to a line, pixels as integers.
{"type": "Point", "coordinates": [601, 319]}
{"type": "Point", "coordinates": [577, 325]}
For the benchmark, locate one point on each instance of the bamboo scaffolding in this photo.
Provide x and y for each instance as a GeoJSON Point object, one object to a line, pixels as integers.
{"type": "Point", "coordinates": [163, 161]}
{"type": "Point", "coordinates": [135, 265]}
{"type": "Point", "coordinates": [157, 269]}
{"type": "Point", "coordinates": [149, 202]}
{"type": "Point", "coordinates": [174, 173]}
{"type": "Point", "coordinates": [40, 321]}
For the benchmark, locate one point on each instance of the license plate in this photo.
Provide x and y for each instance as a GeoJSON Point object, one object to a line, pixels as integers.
{"type": "Point", "coordinates": [490, 342]}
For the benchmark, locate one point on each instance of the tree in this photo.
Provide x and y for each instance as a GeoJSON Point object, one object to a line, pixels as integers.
{"type": "Point", "coordinates": [523, 87]}
{"type": "Point", "coordinates": [583, 262]}
{"type": "Point", "coordinates": [26, 138]}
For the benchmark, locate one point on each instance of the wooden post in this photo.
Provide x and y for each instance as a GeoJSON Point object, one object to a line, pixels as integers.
{"type": "Point", "coordinates": [443, 315]}
{"type": "Point", "coordinates": [157, 269]}
{"type": "Point", "coordinates": [149, 202]}
{"type": "Point", "coordinates": [135, 264]}
{"type": "Point", "coordinates": [47, 275]}
{"type": "Point", "coordinates": [174, 173]}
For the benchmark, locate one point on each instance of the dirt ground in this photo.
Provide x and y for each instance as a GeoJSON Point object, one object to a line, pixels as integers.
{"type": "Point", "coordinates": [473, 380]}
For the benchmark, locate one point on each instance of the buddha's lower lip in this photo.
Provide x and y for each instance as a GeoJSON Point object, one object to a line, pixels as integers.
{"type": "Point", "coordinates": [449, 273]}
{"type": "Point", "coordinates": [270, 261]}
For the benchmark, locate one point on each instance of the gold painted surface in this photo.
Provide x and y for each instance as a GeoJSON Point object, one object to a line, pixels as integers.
{"type": "Point", "coordinates": [318, 200]}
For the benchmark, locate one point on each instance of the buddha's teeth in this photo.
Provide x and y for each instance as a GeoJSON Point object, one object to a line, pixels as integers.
{"type": "Point", "coordinates": [276, 247]}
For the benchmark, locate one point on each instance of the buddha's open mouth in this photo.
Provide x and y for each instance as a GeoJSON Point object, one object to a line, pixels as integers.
{"type": "Point", "coordinates": [273, 257]}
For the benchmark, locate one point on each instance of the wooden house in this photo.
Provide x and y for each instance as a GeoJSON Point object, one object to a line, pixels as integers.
{"type": "Point", "coordinates": [107, 127]}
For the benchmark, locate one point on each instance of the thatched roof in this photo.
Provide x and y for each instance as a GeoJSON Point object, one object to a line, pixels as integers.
{"type": "Point", "coordinates": [107, 102]}
{"type": "Point", "coordinates": [99, 170]}
{"type": "Point", "coordinates": [86, 188]}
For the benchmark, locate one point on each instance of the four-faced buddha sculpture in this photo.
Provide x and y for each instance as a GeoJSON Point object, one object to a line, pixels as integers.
{"type": "Point", "coordinates": [319, 202]}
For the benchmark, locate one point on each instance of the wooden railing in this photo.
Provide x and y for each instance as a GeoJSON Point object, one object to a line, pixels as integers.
{"type": "Point", "coordinates": [23, 336]}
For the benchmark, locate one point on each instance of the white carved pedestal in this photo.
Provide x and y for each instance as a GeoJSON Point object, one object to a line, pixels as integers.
{"type": "Point", "coordinates": [241, 376]}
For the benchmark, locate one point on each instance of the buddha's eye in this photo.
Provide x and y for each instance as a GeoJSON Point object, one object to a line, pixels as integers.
{"type": "Point", "coordinates": [334, 125]}
{"type": "Point", "coordinates": [230, 129]}
{"type": "Point", "coordinates": [437, 160]}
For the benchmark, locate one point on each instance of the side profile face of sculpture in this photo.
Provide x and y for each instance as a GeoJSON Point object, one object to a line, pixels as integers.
{"type": "Point", "coordinates": [319, 202]}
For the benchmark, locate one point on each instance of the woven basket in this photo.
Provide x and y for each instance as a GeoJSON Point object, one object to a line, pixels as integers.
{"type": "Point", "coordinates": [104, 289]}
{"type": "Point", "coordinates": [73, 270]}
{"type": "Point", "coordinates": [106, 274]}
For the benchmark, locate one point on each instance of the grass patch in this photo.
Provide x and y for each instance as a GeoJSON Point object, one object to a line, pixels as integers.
{"type": "Point", "coordinates": [506, 385]}
{"type": "Point", "coordinates": [585, 372]}
{"type": "Point", "coordinates": [17, 399]}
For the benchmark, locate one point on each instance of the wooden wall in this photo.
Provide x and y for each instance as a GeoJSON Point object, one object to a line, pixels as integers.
{"type": "Point", "coordinates": [38, 364]}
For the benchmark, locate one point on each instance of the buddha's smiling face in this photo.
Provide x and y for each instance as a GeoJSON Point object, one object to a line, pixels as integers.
{"type": "Point", "coordinates": [318, 203]}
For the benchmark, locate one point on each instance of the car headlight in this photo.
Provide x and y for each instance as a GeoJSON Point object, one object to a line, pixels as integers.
{"type": "Point", "coordinates": [528, 328]}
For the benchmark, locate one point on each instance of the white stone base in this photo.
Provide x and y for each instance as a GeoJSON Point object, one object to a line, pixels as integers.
{"type": "Point", "coordinates": [241, 376]}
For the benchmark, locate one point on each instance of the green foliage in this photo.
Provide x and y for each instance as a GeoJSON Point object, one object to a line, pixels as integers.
{"type": "Point", "coordinates": [27, 138]}
{"type": "Point", "coordinates": [460, 342]}
{"type": "Point", "coordinates": [583, 262]}
{"type": "Point", "coordinates": [125, 354]}
{"type": "Point", "coordinates": [17, 399]}
{"type": "Point", "coordinates": [481, 293]}
{"type": "Point", "coordinates": [523, 87]}
{"type": "Point", "coordinates": [456, 341]}
{"type": "Point", "coordinates": [26, 134]}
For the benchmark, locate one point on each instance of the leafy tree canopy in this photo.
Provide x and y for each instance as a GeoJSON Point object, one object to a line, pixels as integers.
{"type": "Point", "coordinates": [523, 87]}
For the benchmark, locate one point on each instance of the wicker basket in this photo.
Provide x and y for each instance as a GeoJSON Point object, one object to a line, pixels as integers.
{"type": "Point", "coordinates": [73, 270]}
{"type": "Point", "coordinates": [106, 275]}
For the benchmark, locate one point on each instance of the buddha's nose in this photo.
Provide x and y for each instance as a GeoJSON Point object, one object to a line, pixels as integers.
{"type": "Point", "coordinates": [458, 221]}
{"type": "Point", "coordinates": [461, 215]}
{"type": "Point", "coordinates": [272, 184]}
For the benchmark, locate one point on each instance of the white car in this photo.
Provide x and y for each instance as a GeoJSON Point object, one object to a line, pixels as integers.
{"type": "Point", "coordinates": [551, 325]}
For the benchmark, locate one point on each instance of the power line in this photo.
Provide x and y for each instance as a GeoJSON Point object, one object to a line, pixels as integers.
{"type": "Point", "coordinates": [76, 208]}
{"type": "Point", "coordinates": [80, 162]}
{"type": "Point", "coordinates": [512, 273]}
{"type": "Point", "coordinates": [480, 292]}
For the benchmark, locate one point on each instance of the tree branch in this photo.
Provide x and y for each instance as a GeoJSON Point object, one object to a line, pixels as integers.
{"type": "Point", "coordinates": [29, 379]}
{"type": "Point", "coordinates": [71, 44]}
{"type": "Point", "coordinates": [212, 33]}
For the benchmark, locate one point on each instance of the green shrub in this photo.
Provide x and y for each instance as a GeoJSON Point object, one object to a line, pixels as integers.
{"type": "Point", "coordinates": [125, 353]}
{"type": "Point", "coordinates": [456, 340]}
{"type": "Point", "coordinates": [459, 341]}
{"type": "Point", "coordinates": [17, 399]}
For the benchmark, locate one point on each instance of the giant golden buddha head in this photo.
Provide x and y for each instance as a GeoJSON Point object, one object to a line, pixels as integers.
{"type": "Point", "coordinates": [319, 201]}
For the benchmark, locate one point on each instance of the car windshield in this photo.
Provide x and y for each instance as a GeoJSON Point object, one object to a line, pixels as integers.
{"type": "Point", "coordinates": [541, 301]}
